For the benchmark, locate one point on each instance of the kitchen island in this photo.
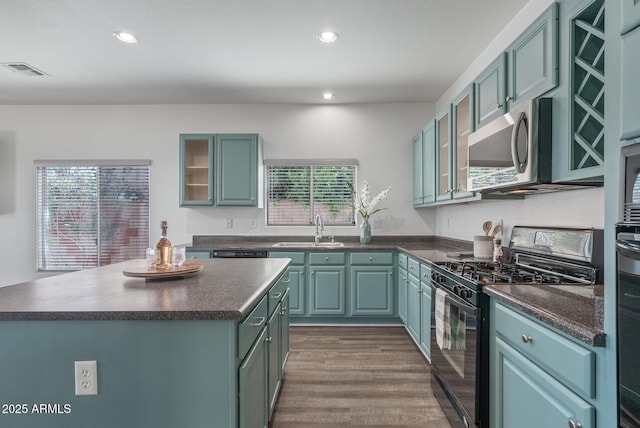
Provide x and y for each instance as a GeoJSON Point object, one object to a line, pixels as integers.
{"type": "Point", "coordinates": [169, 352]}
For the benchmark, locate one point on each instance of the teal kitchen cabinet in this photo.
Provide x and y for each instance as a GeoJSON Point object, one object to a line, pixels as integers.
{"type": "Point", "coordinates": [413, 299]}
{"type": "Point", "coordinates": [238, 157]}
{"type": "Point", "coordinates": [539, 377]}
{"type": "Point", "coordinates": [220, 169]}
{"type": "Point", "coordinates": [253, 373]}
{"type": "Point", "coordinates": [196, 169]}
{"type": "Point", "coordinates": [579, 104]}
{"type": "Point", "coordinates": [284, 333]}
{"type": "Point", "coordinates": [462, 125]}
{"type": "Point", "coordinates": [490, 90]}
{"type": "Point", "coordinates": [327, 285]}
{"type": "Point", "coordinates": [426, 309]}
{"type": "Point", "coordinates": [443, 153]}
{"type": "Point", "coordinates": [532, 59]}
{"type": "Point", "coordinates": [296, 280]}
{"type": "Point", "coordinates": [402, 284]}
{"type": "Point", "coordinates": [371, 283]}
{"type": "Point", "coordinates": [630, 108]}
{"type": "Point", "coordinates": [527, 69]}
{"type": "Point", "coordinates": [424, 166]}
{"type": "Point", "coordinates": [273, 340]}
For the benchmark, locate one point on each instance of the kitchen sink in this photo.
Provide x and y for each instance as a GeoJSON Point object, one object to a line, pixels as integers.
{"type": "Point", "coordinates": [307, 244]}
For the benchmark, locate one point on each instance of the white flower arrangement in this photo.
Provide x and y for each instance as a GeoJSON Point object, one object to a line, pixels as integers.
{"type": "Point", "coordinates": [367, 205]}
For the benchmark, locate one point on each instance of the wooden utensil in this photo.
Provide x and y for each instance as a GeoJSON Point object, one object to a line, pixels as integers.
{"type": "Point", "coordinates": [496, 230]}
{"type": "Point", "coordinates": [486, 227]}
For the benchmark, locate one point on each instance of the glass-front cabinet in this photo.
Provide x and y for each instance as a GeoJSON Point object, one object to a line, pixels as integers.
{"type": "Point", "coordinates": [196, 179]}
{"type": "Point", "coordinates": [443, 166]}
{"type": "Point", "coordinates": [462, 127]}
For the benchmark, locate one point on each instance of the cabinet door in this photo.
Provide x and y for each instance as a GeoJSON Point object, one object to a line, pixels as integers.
{"type": "Point", "coordinates": [462, 126]}
{"type": "Point", "coordinates": [630, 15]}
{"type": "Point", "coordinates": [533, 59]}
{"type": "Point", "coordinates": [273, 357]}
{"type": "Point", "coordinates": [425, 319]}
{"type": "Point", "coordinates": [372, 290]}
{"type": "Point", "coordinates": [327, 290]}
{"type": "Point", "coordinates": [417, 171]}
{"type": "Point", "coordinates": [284, 333]}
{"type": "Point", "coordinates": [237, 170]}
{"type": "Point", "coordinates": [490, 88]}
{"type": "Point", "coordinates": [413, 307]}
{"type": "Point", "coordinates": [443, 155]}
{"type": "Point", "coordinates": [525, 396]}
{"type": "Point", "coordinates": [630, 108]}
{"type": "Point", "coordinates": [252, 387]}
{"type": "Point", "coordinates": [428, 163]}
{"type": "Point", "coordinates": [402, 294]}
{"type": "Point", "coordinates": [296, 290]}
{"type": "Point", "coordinates": [196, 169]}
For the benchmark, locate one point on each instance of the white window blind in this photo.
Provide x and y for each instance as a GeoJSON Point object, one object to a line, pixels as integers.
{"type": "Point", "coordinates": [297, 193]}
{"type": "Point", "coordinates": [91, 215]}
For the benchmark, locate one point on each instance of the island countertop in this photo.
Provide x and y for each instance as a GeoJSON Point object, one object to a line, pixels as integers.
{"type": "Point", "coordinates": [225, 289]}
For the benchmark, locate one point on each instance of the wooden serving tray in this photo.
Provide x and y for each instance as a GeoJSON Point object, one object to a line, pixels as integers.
{"type": "Point", "coordinates": [174, 272]}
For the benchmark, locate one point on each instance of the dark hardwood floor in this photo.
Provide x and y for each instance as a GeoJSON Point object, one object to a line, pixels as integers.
{"type": "Point", "coordinates": [356, 377]}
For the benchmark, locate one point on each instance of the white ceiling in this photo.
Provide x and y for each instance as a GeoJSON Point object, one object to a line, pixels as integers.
{"type": "Point", "coordinates": [242, 51]}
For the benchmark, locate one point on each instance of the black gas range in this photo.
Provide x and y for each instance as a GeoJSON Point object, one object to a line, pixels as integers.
{"type": "Point", "coordinates": [538, 256]}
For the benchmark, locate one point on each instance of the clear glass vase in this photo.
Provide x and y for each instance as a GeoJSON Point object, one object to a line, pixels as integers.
{"type": "Point", "coordinates": [365, 232]}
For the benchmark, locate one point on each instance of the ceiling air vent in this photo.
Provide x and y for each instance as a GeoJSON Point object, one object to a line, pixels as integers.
{"type": "Point", "coordinates": [23, 69]}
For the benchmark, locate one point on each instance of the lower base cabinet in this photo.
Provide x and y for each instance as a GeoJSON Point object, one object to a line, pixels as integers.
{"type": "Point", "coordinates": [274, 339]}
{"type": "Point", "coordinates": [327, 290]}
{"type": "Point", "coordinates": [252, 386]}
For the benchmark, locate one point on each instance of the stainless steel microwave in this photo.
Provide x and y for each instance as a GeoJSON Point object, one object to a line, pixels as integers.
{"type": "Point", "coordinates": [512, 152]}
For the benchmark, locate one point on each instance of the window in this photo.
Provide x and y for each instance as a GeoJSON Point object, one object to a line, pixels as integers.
{"type": "Point", "coordinates": [91, 214]}
{"type": "Point", "coordinates": [297, 191]}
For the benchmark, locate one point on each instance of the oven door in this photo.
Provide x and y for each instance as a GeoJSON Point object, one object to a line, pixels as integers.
{"type": "Point", "coordinates": [456, 364]}
{"type": "Point", "coordinates": [628, 309]}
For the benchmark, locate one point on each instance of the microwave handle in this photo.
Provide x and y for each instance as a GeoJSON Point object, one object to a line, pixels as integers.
{"type": "Point", "coordinates": [514, 143]}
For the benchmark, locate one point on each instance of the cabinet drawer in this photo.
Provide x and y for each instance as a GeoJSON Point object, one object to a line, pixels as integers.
{"type": "Point", "coordinates": [251, 327]}
{"type": "Point", "coordinates": [425, 273]}
{"type": "Point", "coordinates": [402, 261]}
{"type": "Point", "coordinates": [277, 291]}
{"type": "Point", "coordinates": [297, 258]}
{"type": "Point", "coordinates": [413, 267]}
{"type": "Point", "coordinates": [569, 362]}
{"type": "Point", "coordinates": [327, 258]}
{"type": "Point", "coordinates": [371, 258]}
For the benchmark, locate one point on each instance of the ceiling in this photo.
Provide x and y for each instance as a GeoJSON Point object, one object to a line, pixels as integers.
{"type": "Point", "coordinates": [242, 51]}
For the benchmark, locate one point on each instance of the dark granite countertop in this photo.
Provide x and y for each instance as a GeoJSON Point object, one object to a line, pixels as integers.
{"type": "Point", "coordinates": [225, 289]}
{"type": "Point", "coordinates": [573, 309]}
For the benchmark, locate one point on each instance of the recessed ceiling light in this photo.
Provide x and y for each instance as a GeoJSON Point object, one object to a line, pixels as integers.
{"type": "Point", "coordinates": [328, 37]}
{"type": "Point", "coordinates": [125, 37]}
{"type": "Point", "coordinates": [328, 96]}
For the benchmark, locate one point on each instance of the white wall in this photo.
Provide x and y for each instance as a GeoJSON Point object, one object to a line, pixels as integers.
{"type": "Point", "coordinates": [379, 136]}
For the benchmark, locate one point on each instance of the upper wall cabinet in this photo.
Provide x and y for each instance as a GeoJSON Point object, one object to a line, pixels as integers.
{"type": "Point", "coordinates": [533, 59]}
{"type": "Point", "coordinates": [237, 170]}
{"type": "Point", "coordinates": [491, 89]}
{"type": "Point", "coordinates": [527, 69]}
{"type": "Point", "coordinates": [578, 109]}
{"type": "Point", "coordinates": [196, 170]}
{"type": "Point", "coordinates": [424, 166]}
{"type": "Point", "coordinates": [443, 146]}
{"type": "Point", "coordinates": [220, 169]}
{"type": "Point", "coordinates": [630, 108]}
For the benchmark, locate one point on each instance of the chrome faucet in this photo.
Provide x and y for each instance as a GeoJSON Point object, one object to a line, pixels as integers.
{"type": "Point", "coordinates": [319, 228]}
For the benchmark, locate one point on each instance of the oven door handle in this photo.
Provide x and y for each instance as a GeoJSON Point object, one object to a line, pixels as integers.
{"type": "Point", "coordinates": [458, 303]}
{"type": "Point", "coordinates": [630, 249]}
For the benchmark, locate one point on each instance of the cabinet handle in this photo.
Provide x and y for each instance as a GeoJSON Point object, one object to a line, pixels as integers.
{"type": "Point", "coordinates": [420, 291]}
{"type": "Point", "coordinates": [508, 99]}
{"type": "Point", "coordinates": [370, 258]}
{"type": "Point", "coordinates": [499, 106]}
{"type": "Point", "coordinates": [326, 258]}
{"type": "Point", "coordinates": [276, 296]}
{"type": "Point", "coordinates": [261, 321]}
{"type": "Point", "coordinates": [283, 312]}
{"type": "Point", "coordinates": [286, 281]}
{"type": "Point", "coordinates": [526, 338]}
{"type": "Point", "coordinates": [268, 339]}
{"type": "Point", "coordinates": [574, 424]}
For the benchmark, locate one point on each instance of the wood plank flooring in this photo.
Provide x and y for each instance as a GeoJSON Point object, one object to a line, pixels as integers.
{"type": "Point", "coordinates": [356, 377]}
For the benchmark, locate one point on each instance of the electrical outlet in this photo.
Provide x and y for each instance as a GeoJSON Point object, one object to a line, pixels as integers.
{"type": "Point", "coordinates": [229, 223]}
{"type": "Point", "coordinates": [86, 377]}
{"type": "Point", "coordinates": [252, 223]}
